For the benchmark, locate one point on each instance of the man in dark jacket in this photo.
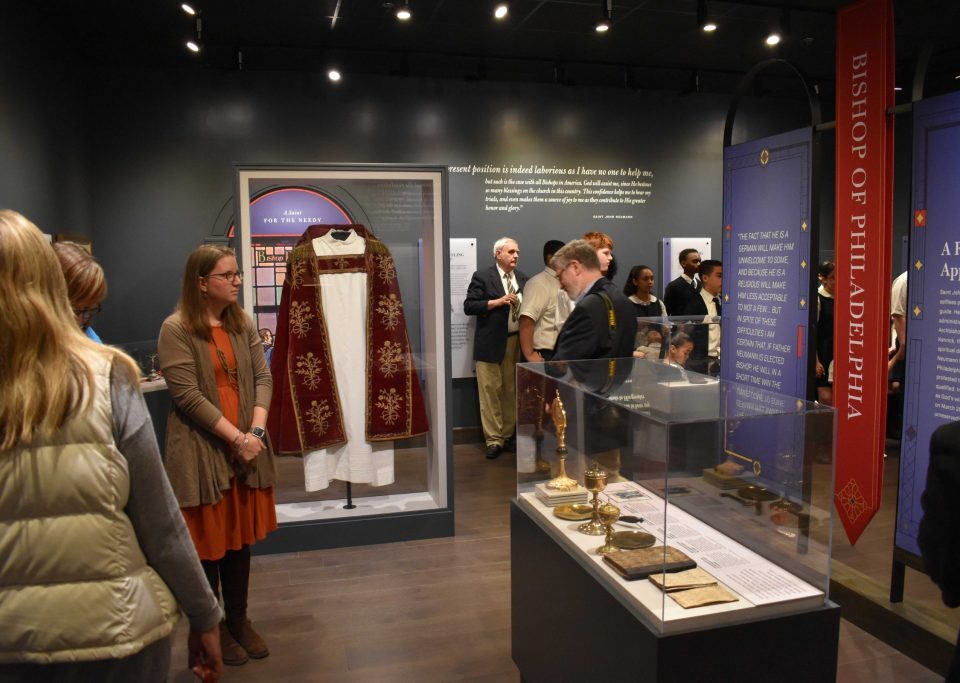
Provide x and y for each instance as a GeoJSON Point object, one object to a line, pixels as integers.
{"type": "Point", "coordinates": [706, 304]}
{"type": "Point", "coordinates": [939, 535]}
{"type": "Point", "coordinates": [494, 296]}
{"type": "Point", "coordinates": [681, 290]}
{"type": "Point", "coordinates": [603, 323]}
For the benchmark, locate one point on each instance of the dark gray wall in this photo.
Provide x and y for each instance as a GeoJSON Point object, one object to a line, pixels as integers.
{"type": "Point", "coordinates": [141, 160]}
{"type": "Point", "coordinates": [42, 140]}
{"type": "Point", "coordinates": [165, 142]}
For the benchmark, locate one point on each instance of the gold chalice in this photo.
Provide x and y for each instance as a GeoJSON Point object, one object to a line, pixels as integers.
{"type": "Point", "coordinates": [595, 481]}
{"type": "Point", "coordinates": [561, 482]}
{"type": "Point", "coordinates": [609, 514]}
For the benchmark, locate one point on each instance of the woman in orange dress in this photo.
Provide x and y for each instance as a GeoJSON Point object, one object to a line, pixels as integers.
{"type": "Point", "coordinates": [218, 455]}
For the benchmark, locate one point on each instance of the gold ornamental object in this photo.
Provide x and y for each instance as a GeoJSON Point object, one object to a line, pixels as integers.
{"type": "Point", "coordinates": [532, 403]}
{"type": "Point", "coordinates": [609, 514]}
{"type": "Point", "coordinates": [575, 512]}
{"type": "Point", "coordinates": [595, 481]}
{"type": "Point", "coordinates": [632, 539]}
{"type": "Point", "coordinates": [561, 482]}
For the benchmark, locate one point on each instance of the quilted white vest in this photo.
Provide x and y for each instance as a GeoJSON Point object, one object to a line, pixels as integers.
{"type": "Point", "coordinates": [74, 584]}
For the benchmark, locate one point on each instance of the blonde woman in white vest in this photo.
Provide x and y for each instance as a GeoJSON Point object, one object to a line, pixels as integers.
{"type": "Point", "coordinates": [94, 554]}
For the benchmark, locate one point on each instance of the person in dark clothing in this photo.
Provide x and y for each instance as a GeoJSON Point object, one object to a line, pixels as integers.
{"type": "Point", "coordinates": [494, 296]}
{"type": "Point", "coordinates": [825, 333]}
{"type": "Point", "coordinates": [939, 534]}
{"type": "Point", "coordinates": [681, 290]}
{"type": "Point", "coordinates": [604, 323]}
{"type": "Point", "coordinates": [706, 304]}
{"type": "Point", "coordinates": [639, 289]}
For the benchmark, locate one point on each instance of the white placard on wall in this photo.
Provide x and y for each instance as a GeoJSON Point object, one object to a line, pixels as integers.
{"type": "Point", "coordinates": [670, 248]}
{"type": "Point", "coordinates": [463, 264]}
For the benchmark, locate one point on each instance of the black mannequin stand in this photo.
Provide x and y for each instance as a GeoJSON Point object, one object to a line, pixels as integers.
{"type": "Point", "coordinates": [350, 505]}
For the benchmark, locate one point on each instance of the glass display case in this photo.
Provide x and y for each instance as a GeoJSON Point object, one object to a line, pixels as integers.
{"type": "Point", "coordinates": [347, 283]}
{"type": "Point", "coordinates": [696, 502]}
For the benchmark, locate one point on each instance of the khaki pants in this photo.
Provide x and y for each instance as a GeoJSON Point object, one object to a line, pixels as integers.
{"type": "Point", "coordinates": [496, 384]}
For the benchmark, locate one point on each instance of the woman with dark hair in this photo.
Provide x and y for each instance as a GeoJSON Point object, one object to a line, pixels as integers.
{"type": "Point", "coordinates": [218, 456]}
{"type": "Point", "coordinates": [639, 289]}
{"type": "Point", "coordinates": [680, 347]}
{"type": "Point", "coordinates": [86, 283]}
{"type": "Point", "coordinates": [825, 302]}
{"type": "Point", "coordinates": [96, 556]}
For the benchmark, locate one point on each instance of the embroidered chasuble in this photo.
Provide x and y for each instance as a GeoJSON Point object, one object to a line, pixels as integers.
{"type": "Point", "coordinates": [344, 384]}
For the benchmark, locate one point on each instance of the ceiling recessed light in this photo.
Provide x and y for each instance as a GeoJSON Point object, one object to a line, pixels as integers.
{"type": "Point", "coordinates": [501, 10]}
{"type": "Point", "coordinates": [898, 88]}
{"type": "Point", "coordinates": [773, 39]}
{"type": "Point", "coordinates": [706, 24]}
{"type": "Point", "coordinates": [334, 75]}
{"type": "Point", "coordinates": [189, 9]}
{"type": "Point", "coordinates": [193, 46]}
{"type": "Point", "coordinates": [403, 12]}
{"type": "Point", "coordinates": [606, 16]}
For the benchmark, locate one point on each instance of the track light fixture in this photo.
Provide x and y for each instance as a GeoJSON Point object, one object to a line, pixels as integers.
{"type": "Point", "coordinates": [703, 20]}
{"type": "Point", "coordinates": [606, 15]}
{"type": "Point", "coordinates": [194, 44]}
{"type": "Point", "coordinates": [782, 30]}
{"type": "Point", "coordinates": [501, 10]}
{"type": "Point", "coordinates": [403, 12]}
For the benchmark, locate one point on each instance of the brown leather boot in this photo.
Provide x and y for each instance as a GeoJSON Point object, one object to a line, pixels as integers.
{"type": "Point", "coordinates": [249, 640]}
{"type": "Point", "coordinates": [233, 653]}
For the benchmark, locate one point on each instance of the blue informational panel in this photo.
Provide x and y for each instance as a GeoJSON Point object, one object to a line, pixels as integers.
{"type": "Point", "coordinates": [766, 274]}
{"type": "Point", "coordinates": [933, 302]}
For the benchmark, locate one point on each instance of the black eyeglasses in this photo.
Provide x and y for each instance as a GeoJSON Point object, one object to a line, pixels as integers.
{"type": "Point", "coordinates": [86, 313]}
{"type": "Point", "coordinates": [229, 276]}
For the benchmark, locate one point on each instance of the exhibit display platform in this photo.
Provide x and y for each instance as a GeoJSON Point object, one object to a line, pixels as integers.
{"type": "Point", "coordinates": [668, 526]}
{"type": "Point", "coordinates": [568, 624]}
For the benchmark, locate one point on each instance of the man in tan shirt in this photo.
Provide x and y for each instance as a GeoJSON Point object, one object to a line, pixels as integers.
{"type": "Point", "coordinates": [544, 309]}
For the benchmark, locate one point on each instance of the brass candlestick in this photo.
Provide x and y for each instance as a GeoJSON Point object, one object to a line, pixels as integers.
{"type": "Point", "coordinates": [561, 482]}
{"type": "Point", "coordinates": [595, 481]}
{"type": "Point", "coordinates": [609, 514]}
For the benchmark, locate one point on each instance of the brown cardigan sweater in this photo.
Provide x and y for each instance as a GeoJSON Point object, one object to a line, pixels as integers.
{"type": "Point", "coordinates": [198, 462]}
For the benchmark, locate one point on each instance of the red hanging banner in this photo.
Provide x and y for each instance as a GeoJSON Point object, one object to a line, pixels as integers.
{"type": "Point", "coordinates": [865, 82]}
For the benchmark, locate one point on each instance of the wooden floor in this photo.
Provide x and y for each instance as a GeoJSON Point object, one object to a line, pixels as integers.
{"type": "Point", "coordinates": [434, 610]}
{"type": "Point", "coordinates": [867, 565]}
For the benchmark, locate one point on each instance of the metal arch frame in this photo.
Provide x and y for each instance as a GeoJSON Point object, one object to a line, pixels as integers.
{"type": "Point", "coordinates": [816, 114]}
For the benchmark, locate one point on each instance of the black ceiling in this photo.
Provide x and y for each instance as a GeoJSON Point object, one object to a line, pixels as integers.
{"type": "Point", "coordinates": [652, 43]}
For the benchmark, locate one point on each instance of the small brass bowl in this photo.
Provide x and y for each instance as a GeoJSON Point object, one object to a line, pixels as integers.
{"type": "Point", "coordinates": [576, 512]}
{"type": "Point", "coordinates": [633, 539]}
